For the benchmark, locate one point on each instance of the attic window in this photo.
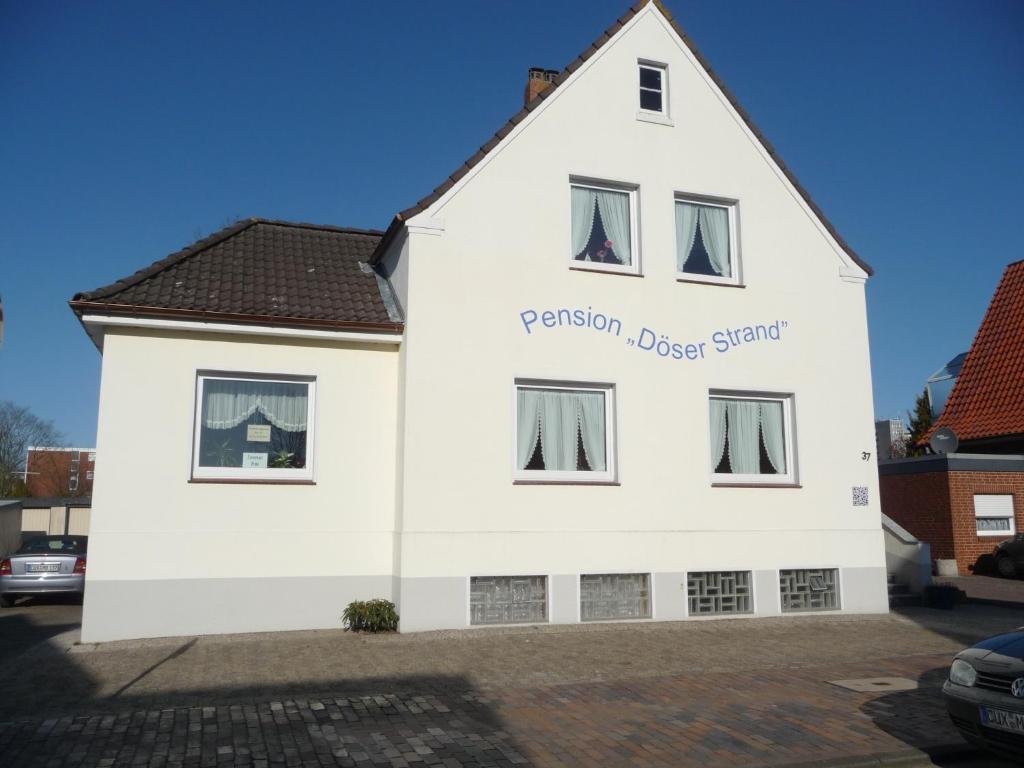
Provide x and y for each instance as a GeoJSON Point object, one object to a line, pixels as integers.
{"type": "Point", "coordinates": [653, 92]}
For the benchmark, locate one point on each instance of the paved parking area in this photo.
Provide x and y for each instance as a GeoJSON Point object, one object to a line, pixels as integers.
{"type": "Point", "coordinates": [730, 692]}
{"type": "Point", "coordinates": [989, 588]}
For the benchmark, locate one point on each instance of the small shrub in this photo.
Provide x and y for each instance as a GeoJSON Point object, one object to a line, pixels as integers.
{"type": "Point", "coordinates": [370, 616]}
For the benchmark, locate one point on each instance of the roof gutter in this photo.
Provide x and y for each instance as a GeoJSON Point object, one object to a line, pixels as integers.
{"type": "Point", "coordinates": [103, 317]}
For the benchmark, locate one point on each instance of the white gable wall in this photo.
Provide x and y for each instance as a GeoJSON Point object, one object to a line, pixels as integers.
{"type": "Point", "coordinates": [504, 249]}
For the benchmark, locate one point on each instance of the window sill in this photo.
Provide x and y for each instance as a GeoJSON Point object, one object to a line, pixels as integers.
{"type": "Point", "coordinates": [245, 481]}
{"type": "Point", "coordinates": [520, 481]}
{"type": "Point", "coordinates": [720, 283]}
{"type": "Point", "coordinates": [654, 117]}
{"type": "Point", "coordinates": [622, 272]}
{"type": "Point", "coordinates": [756, 485]}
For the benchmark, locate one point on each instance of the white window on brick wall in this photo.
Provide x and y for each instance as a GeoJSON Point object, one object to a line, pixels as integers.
{"type": "Point", "coordinates": [993, 513]}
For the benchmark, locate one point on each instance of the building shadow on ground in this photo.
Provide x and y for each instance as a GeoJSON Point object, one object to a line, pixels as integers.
{"type": "Point", "coordinates": [53, 708]}
{"type": "Point", "coordinates": [432, 719]}
{"type": "Point", "coordinates": [21, 630]}
{"type": "Point", "coordinates": [918, 718]}
{"type": "Point", "coordinates": [967, 622]}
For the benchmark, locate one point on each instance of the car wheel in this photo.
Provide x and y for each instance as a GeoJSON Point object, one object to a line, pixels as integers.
{"type": "Point", "coordinates": [6, 601]}
{"type": "Point", "coordinates": [1005, 567]}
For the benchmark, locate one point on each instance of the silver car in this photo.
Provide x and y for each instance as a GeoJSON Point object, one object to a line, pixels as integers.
{"type": "Point", "coordinates": [44, 565]}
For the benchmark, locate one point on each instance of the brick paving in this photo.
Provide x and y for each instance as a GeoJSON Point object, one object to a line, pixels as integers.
{"type": "Point", "coordinates": [731, 693]}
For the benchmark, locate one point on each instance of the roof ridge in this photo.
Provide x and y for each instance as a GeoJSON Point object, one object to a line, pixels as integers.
{"type": "Point", "coordinates": [323, 227]}
{"type": "Point", "coordinates": [206, 243]}
{"type": "Point", "coordinates": [603, 38]}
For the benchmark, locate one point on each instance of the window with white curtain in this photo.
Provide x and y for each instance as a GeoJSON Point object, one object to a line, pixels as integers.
{"type": "Point", "coordinates": [993, 514]}
{"type": "Point", "coordinates": [253, 428]}
{"type": "Point", "coordinates": [706, 241]}
{"type": "Point", "coordinates": [751, 438]}
{"type": "Point", "coordinates": [603, 228]}
{"type": "Point", "coordinates": [564, 432]}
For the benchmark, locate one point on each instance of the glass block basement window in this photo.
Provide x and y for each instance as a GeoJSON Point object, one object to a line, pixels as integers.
{"type": "Point", "coordinates": [615, 596]}
{"type": "Point", "coordinates": [715, 592]}
{"type": "Point", "coordinates": [815, 589]}
{"type": "Point", "coordinates": [508, 599]}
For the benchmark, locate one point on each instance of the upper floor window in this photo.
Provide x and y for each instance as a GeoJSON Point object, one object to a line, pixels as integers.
{"type": "Point", "coordinates": [652, 88]}
{"type": "Point", "coordinates": [564, 432]}
{"type": "Point", "coordinates": [706, 241]}
{"type": "Point", "coordinates": [751, 439]}
{"type": "Point", "coordinates": [604, 228]}
{"type": "Point", "coordinates": [253, 428]}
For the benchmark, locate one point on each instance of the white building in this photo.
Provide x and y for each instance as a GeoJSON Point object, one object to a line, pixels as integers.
{"type": "Point", "coordinates": [593, 376]}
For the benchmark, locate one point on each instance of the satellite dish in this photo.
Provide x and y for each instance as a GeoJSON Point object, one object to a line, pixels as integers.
{"type": "Point", "coordinates": [944, 441]}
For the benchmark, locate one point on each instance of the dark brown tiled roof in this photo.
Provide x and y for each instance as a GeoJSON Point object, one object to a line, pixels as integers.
{"type": "Point", "coordinates": [506, 129]}
{"type": "Point", "coordinates": [260, 271]}
{"type": "Point", "coordinates": [988, 398]}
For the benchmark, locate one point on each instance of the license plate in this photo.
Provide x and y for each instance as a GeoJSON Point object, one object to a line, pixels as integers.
{"type": "Point", "coordinates": [42, 567]}
{"type": "Point", "coordinates": [1002, 719]}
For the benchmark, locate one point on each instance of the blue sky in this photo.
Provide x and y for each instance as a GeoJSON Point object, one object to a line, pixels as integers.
{"type": "Point", "coordinates": [131, 129]}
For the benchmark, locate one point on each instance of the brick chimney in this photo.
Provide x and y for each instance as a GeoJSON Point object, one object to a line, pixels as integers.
{"type": "Point", "coordinates": [538, 80]}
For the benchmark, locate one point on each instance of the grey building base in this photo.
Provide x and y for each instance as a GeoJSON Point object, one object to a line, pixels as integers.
{"type": "Point", "coordinates": [443, 602]}
{"type": "Point", "coordinates": [122, 610]}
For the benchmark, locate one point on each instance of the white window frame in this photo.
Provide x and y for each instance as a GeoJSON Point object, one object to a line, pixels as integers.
{"type": "Point", "coordinates": [732, 208]}
{"type": "Point", "coordinates": [981, 514]}
{"type": "Point", "coordinates": [790, 477]}
{"type": "Point", "coordinates": [236, 474]}
{"type": "Point", "coordinates": [89, 474]}
{"type": "Point", "coordinates": [653, 115]}
{"type": "Point", "coordinates": [634, 226]}
{"type": "Point", "coordinates": [522, 476]}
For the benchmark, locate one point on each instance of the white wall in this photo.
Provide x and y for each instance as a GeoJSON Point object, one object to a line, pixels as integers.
{"type": "Point", "coordinates": [152, 526]}
{"type": "Point", "coordinates": [504, 249]}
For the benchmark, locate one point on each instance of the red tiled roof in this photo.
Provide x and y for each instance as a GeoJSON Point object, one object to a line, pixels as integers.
{"type": "Point", "coordinates": [988, 399]}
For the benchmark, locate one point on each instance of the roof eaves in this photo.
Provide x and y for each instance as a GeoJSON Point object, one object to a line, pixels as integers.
{"type": "Point", "coordinates": [196, 315]}
{"type": "Point", "coordinates": [605, 36]}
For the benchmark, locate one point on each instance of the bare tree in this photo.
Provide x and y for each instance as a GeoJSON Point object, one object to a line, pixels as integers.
{"type": "Point", "coordinates": [20, 428]}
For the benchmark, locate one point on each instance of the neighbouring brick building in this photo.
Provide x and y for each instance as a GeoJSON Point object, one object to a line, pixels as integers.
{"type": "Point", "coordinates": [60, 471]}
{"type": "Point", "coordinates": [965, 503]}
{"type": "Point", "coordinates": [961, 504]}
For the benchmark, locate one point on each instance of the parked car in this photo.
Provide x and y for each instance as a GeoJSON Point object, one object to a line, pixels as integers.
{"type": "Point", "coordinates": [1009, 556]}
{"type": "Point", "coordinates": [44, 565]}
{"type": "Point", "coordinates": [985, 694]}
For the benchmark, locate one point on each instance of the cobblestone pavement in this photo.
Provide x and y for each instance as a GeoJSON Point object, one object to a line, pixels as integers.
{"type": "Point", "coordinates": [751, 692]}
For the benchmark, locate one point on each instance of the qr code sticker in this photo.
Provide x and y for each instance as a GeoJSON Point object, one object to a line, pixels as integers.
{"type": "Point", "coordinates": [860, 495]}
